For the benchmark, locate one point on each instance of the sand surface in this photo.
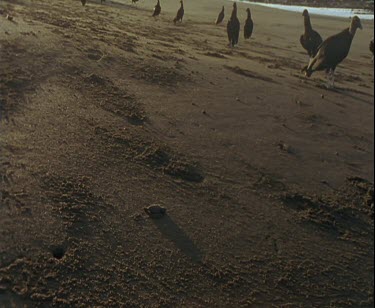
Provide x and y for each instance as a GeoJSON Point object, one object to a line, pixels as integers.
{"type": "Point", "coordinates": [266, 175]}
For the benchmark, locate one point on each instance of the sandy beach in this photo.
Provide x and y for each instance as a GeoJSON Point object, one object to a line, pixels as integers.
{"type": "Point", "coordinates": [266, 175]}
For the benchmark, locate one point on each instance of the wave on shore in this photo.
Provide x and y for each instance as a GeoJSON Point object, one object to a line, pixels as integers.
{"type": "Point", "coordinates": [334, 12]}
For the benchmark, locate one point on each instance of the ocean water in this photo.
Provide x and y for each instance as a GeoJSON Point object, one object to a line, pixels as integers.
{"type": "Point", "coordinates": [334, 12]}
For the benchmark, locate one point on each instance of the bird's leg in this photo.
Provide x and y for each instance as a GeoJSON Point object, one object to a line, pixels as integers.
{"type": "Point", "coordinates": [333, 79]}
{"type": "Point", "coordinates": [328, 72]}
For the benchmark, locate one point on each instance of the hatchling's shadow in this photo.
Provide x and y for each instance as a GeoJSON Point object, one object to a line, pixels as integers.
{"type": "Point", "coordinates": [174, 233]}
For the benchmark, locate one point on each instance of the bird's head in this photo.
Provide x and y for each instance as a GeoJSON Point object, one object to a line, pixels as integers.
{"type": "Point", "coordinates": [356, 23]}
{"type": "Point", "coordinates": [234, 5]}
{"type": "Point", "coordinates": [305, 13]}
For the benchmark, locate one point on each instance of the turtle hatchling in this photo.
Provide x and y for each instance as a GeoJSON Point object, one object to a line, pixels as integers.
{"type": "Point", "coordinates": [156, 211]}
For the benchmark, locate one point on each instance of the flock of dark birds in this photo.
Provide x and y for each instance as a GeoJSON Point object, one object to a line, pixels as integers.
{"type": "Point", "coordinates": [325, 55]}
{"type": "Point", "coordinates": [234, 25]}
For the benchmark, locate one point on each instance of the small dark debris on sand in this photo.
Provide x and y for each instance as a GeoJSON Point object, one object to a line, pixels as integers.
{"type": "Point", "coordinates": [155, 211]}
{"type": "Point", "coordinates": [285, 148]}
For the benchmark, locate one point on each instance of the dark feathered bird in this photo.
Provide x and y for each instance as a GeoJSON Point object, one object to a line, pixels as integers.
{"type": "Point", "coordinates": [372, 49]}
{"type": "Point", "coordinates": [249, 25]}
{"type": "Point", "coordinates": [233, 27]}
{"type": "Point", "coordinates": [333, 51]}
{"type": "Point", "coordinates": [83, 2]}
{"type": "Point", "coordinates": [221, 16]}
{"type": "Point", "coordinates": [180, 13]}
{"type": "Point", "coordinates": [157, 9]}
{"type": "Point", "coordinates": [310, 40]}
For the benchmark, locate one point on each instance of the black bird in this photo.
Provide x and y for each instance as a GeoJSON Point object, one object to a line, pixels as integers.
{"type": "Point", "coordinates": [180, 13]}
{"type": "Point", "coordinates": [233, 27]}
{"type": "Point", "coordinates": [221, 16]}
{"type": "Point", "coordinates": [333, 51]}
{"type": "Point", "coordinates": [157, 9]}
{"type": "Point", "coordinates": [310, 40]}
{"type": "Point", "coordinates": [249, 25]}
{"type": "Point", "coordinates": [372, 48]}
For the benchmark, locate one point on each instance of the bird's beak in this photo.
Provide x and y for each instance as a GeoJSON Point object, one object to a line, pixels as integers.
{"type": "Point", "coordinates": [360, 26]}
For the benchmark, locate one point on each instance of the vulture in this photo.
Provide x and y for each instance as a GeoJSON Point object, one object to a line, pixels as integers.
{"type": "Point", "coordinates": [180, 13]}
{"type": "Point", "coordinates": [333, 51]}
{"type": "Point", "coordinates": [372, 49]}
{"type": "Point", "coordinates": [157, 9]}
{"type": "Point", "coordinates": [310, 40]}
{"type": "Point", "coordinates": [233, 27]}
{"type": "Point", "coordinates": [249, 25]}
{"type": "Point", "coordinates": [221, 16]}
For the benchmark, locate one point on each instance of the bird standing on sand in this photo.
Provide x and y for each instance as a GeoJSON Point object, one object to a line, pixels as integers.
{"type": "Point", "coordinates": [157, 9]}
{"type": "Point", "coordinates": [221, 16]}
{"type": "Point", "coordinates": [372, 48]}
{"type": "Point", "coordinates": [333, 51]}
{"type": "Point", "coordinates": [180, 13]}
{"type": "Point", "coordinates": [249, 25]}
{"type": "Point", "coordinates": [310, 40]}
{"type": "Point", "coordinates": [233, 27]}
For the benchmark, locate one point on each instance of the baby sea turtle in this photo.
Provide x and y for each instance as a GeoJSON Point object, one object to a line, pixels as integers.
{"type": "Point", "coordinates": [155, 211]}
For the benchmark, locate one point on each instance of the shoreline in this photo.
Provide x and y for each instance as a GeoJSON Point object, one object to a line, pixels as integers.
{"type": "Point", "coordinates": [319, 11]}
{"type": "Point", "coordinates": [352, 5]}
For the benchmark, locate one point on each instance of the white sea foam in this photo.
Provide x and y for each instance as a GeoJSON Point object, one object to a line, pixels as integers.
{"type": "Point", "coordinates": [334, 12]}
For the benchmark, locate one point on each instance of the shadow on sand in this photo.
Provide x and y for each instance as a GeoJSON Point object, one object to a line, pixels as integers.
{"type": "Point", "coordinates": [349, 92]}
{"type": "Point", "coordinates": [174, 233]}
